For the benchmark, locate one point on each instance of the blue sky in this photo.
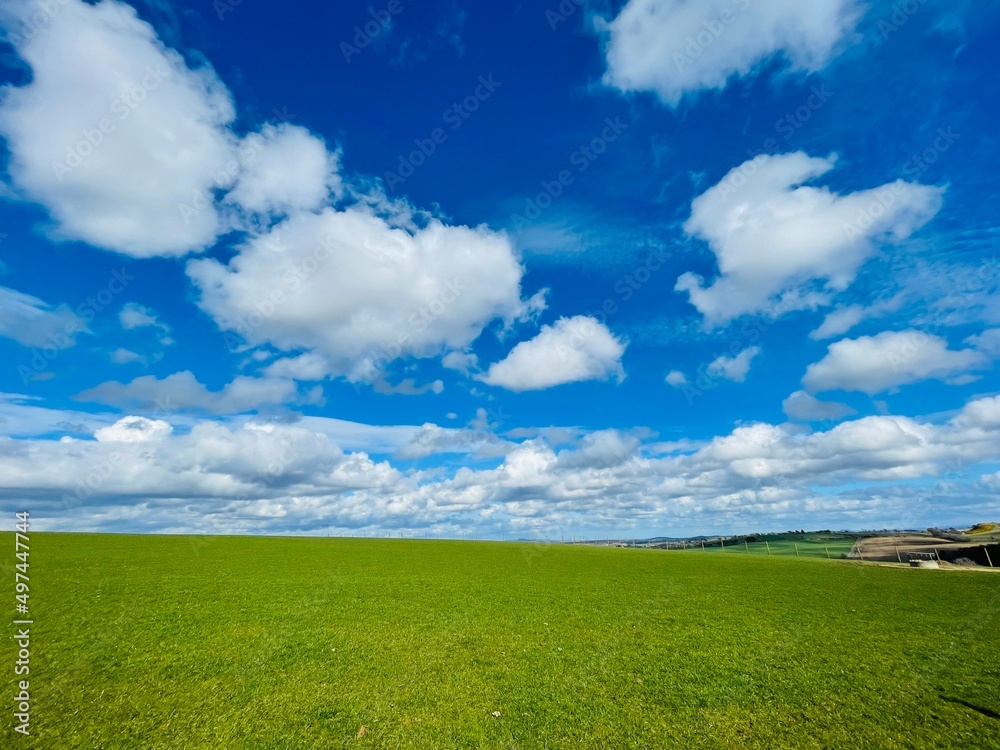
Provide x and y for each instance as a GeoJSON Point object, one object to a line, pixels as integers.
{"type": "Point", "coordinates": [655, 267]}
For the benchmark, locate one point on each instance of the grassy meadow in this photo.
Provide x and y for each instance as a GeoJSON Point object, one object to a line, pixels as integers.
{"type": "Point", "coordinates": [152, 642]}
{"type": "Point", "coordinates": [809, 547]}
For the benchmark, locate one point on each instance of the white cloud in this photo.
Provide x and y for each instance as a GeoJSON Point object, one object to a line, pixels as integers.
{"type": "Point", "coordinates": [361, 291]}
{"type": "Point", "coordinates": [358, 436]}
{"type": "Point", "coordinates": [24, 416]}
{"type": "Point", "coordinates": [219, 464]}
{"type": "Point", "coordinates": [676, 378]}
{"type": "Point", "coordinates": [272, 477]}
{"type": "Point", "coordinates": [872, 364]}
{"type": "Point", "coordinates": [183, 391]}
{"type": "Point", "coordinates": [125, 356]}
{"type": "Point", "coordinates": [988, 342]}
{"type": "Point", "coordinates": [134, 315]}
{"type": "Point", "coordinates": [603, 449]}
{"type": "Point", "coordinates": [31, 322]}
{"type": "Point", "coordinates": [570, 351]}
{"type": "Point", "coordinates": [433, 440]}
{"type": "Point", "coordinates": [463, 362]}
{"type": "Point", "coordinates": [134, 430]}
{"type": "Point", "coordinates": [115, 132]}
{"type": "Point", "coordinates": [304, 367]}
{"type": "Point", "coordinates": [733, 368]}
{"type": "Point", "coordinates": [674, 48]}
{"type": "Point", "coordinates": [843, 319]}
{"type": "Point", "coordinates": [772, 234]}
{"type": "Point", "coordinates": [839, 322]}
{"type": "Point", "coordinates": [406, 387]}
{"type": "Point", "coordinates": [361, 287]}
{"type": "Point", "coordinates": [872, 448]}
{"type": "Point", "coordinates": [806, 408]}
{"type": "Point", "coordinates": [284, 168]}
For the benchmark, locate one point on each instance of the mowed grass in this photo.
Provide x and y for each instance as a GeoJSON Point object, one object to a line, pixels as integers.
{"type": "Point", "coordinates": [176, 642]}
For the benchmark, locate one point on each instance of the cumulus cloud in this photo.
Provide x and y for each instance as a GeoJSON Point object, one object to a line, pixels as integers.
{"type": "Point", "coordinates": [873, 364]}
{"type": "Point", "coordinates": [25, 416]}
{"type": "Point", "coordinates": [134, 430]}
{"type": "Point", "coordinates": [733, 368]}
{"type": "Point", "coordinates": [433, 440]}
{"type": "Point", "coordinates": [807, 408]}
{"type": "Point", "coordinates": [32, 322]}
{"type": "Point", "coordinates": [213, 461]}
{"type": "Point", "coordinates": [676, 378]}
{"type": "Point", "coordinates": [988, 342]}
{"type": "Point", "coordinates": [307, 366]}
{"type": "Point", "coordinates": [603, 449]}
{"type": "Point", "coordinates": [674, 48]}
{"type": "Point", "coordinates": [772, 235]}
{"type": "Point", "coordinates": [128, 147]}
{"type": "Point", "coordinates": [281, 477]}
{"type": "Point", "coordinates": [284, 168]}
{"type": "Point", "coordinates": [463, 362]}
{"type": "Point", "coordinates": [362, 291]}
{"type": "Point", "coordinates": [183, 391]}
{"type": "Point", "coordinates": [115, 132]}
{"type": "Point", "coordinates": [406, 387]}
{"type": "Point", "coordinates": [160, 171]}
{"type": "Point", "coordinates": [570, 351]}
{"type": "Point", "coordinates": [843, 319]}
{"type": "Point", "coordinates": [872, 448]}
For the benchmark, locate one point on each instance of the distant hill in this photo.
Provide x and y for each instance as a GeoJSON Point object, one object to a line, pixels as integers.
{"type": "Point", "coordinates": [984, 528]}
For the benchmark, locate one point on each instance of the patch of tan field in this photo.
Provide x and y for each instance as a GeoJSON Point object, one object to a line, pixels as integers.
{"type": "Point", "coordinates": [895, 548]}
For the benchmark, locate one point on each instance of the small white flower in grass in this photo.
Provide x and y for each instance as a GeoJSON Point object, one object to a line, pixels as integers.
{"type": "Point", "coordinates": [496, 714]}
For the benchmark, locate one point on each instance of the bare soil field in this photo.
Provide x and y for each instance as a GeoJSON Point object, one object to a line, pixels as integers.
{"type": "Point", "coordinates": [896, 548]}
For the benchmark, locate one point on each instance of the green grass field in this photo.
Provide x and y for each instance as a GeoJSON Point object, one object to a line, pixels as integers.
{"type": "Point", "coordinates": [821, 548]}
{"type": "Point", "coordinates": [175, 642]}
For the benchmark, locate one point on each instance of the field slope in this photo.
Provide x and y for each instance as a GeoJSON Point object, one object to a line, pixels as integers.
{"type": "Point", "coordinates": [182, 642]}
